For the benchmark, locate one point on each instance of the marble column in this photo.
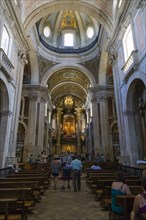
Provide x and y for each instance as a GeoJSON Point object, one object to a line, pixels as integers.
{"type": "Point", "coordinates": [105, 131]}
{"type": "Point", "coordinates": [78, 119]}
{"type": "Point", "coordinates": [59, 113]}
{"type": "Point", "coordinates": [30, 139]}
{"type": "Point", "coordinates": [96, 126]}
{"type": "Point", "coordinates": [50, 131]}
{"type": "Point", "coordinates": [20, 70]}
{"type": "Point", "coordinates": [88, 146]}
{"type": "Point", "coordinates": [41, 122]}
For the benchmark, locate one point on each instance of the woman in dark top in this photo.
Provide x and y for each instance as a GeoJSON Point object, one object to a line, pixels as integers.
{"type": "Point", "coordinates": [119, 188]}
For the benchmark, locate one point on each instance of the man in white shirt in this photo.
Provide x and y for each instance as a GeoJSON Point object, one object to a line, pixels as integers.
{"type": "Point", "coordinates": [76, 166]}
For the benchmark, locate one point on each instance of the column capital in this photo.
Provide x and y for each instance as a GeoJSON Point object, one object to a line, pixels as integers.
{"type": "Point", "coordinates": [102, 97]}
{"type": "Point", "coordinates": [33, 97]}
{"type": "Point", "coordinates": [6, 113]}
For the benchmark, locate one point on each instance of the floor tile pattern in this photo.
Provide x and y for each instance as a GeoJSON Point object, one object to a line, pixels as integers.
{"type": "Point", "coordinates": [68, 205]}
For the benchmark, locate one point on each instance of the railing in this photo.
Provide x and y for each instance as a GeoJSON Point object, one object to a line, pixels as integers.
{"type": "Point", "coordinates": [130, 64]}
{"type": "Point", "coordinates": [131, 170]}
{"type": "Point", "coordinates": [6, 171]}
{"type": "Point", "coordinates": [6, 64]}
{"type": "Point", "coordinates": [69, 49]}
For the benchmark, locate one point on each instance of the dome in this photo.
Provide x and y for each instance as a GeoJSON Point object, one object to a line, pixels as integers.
{"type": "Point", "coordinates": [68, 30]}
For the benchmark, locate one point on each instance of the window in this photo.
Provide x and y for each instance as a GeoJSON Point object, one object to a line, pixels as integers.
{"type": "Point", "coordinates": [128, 42]}
{"type": "Point", "coordinates": [16, 2]}
{"type": "Point", "coordinates": [119, 3]}
{"type": "Point", "coordinates": [90, 32]}
{"type": "Point", "coordinates": [5, 40]}
{"type": "Point", "coordinates": [47, 31]}
{"type": "Point", "coordinates": [68, 40]}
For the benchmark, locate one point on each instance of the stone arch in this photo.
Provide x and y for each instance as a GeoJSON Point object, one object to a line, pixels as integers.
{"type": "Point", "coordinates": [49, 7]}
{"type": "Point", "coordinates": [136, 119]}
{"type": "Point", "coordinates": [61, 66]}
{"type": "Point", "coordinates": [4, 114]}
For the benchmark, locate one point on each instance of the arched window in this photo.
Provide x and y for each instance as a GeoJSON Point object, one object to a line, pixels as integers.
{"type": "Point", "coordinates": [5, 40]}
{"type": "Point", "coordinates": [119, 3]}
{"type": "Point", "coordinates": [16, 2]}
{"type": "Point", "coordinates": [68, 40]}
{"type": "Point", "coordinates": [128, 43]}
{"type": "Point", "coordinates": [90, 32]}
{"type": "Point", "coordinates": [47, 31]}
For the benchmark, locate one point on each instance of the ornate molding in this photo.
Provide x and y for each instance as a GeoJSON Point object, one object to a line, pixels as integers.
{"type": "Point", "coordinates": [6, 65]}
{"type": "Point", "coordinates": [92, 65]}
{"type": "Point", "coordinates": [130, 65]}
{"type": "Point", "coordinates": [141, 4]}
{"type": "Point", "coordinates": [22, 57]}
{"type": "Point", "coordinates": [6, 113]}
{"type": "Point", "coordinates": [102, 97]}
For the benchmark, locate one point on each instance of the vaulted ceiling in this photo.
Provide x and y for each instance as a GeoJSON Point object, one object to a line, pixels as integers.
{"type": "Point", "coordinates": [63, 15]}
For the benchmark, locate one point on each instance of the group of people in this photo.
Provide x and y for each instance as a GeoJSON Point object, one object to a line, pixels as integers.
{"type": "Point", "coordinates": [119, 187]}
{"type": "Point", "coordinates": [69, 166]}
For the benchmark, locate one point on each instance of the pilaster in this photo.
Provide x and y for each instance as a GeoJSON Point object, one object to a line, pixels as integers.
{"type": "Point", "coordinates": [59, 113]}
{"type": "Point", "coordinates": [78, 118]}
{"type": "Point", "coordinates": [22, 61]}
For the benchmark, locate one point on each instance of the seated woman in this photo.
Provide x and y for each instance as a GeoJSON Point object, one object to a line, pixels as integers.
{"type": "Point", "coordinates": [139, 206]}
{"type": "Point", "coordinates": [95, 166]}
{"type": "Point", "coordinates": [119, 188]}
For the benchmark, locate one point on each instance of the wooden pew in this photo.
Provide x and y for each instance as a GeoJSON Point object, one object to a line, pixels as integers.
{"type": "Point", "coordinates": [34, 185]}
{"type": "Point", "coordinates": [24, 197]}
{"type": "Point", "coordinates": [106, 196]}
{"type": "Point", "coordinates": [8, 209]}
{"type": "Point", "coordinates": [99, 184]}
{"type": "Point", "coordinates": [42, 183]}
{"type": "Point", "coordinates": [101, 172]}
{"type": "Point", "coordinates": [127, 202]}
{"type": "Point", "coordinates": [35, 175]}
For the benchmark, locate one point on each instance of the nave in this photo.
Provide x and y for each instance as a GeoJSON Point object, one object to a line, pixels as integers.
{"type": "Point", "coordinates": [68, 205]}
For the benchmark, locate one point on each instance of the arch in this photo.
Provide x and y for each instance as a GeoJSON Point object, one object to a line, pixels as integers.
{"type": "Point", "coordinates": [95, 12]}
{"type": "Point", "coordinates": [134, 92]}
{"type": "Point", "coordinates": [63, 66]}
{"type": "Point", "coordinates": [4, 96]}
{"type": "Point", "coordinates": [135, 119]}
{"type": "Point", "coordinates": [4, 114]}
{"type": "Point", "coordinates": [128, 90]}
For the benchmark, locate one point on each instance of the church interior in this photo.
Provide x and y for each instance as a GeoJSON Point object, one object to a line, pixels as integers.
{"type": "Point", "coordinates": [73, 78]}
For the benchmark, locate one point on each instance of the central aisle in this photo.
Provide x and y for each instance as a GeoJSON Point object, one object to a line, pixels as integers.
{"type": "Point", "coordinates": [68, 205]}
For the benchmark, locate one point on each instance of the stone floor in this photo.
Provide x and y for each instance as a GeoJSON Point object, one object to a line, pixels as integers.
{"type": "Point", "coordinates": [68, 205]}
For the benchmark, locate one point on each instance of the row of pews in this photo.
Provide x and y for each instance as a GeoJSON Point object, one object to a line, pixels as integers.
{"type": "Point", "coordinates": [19, 192]}
{"type": "Point", "coordinates": [100, 183]}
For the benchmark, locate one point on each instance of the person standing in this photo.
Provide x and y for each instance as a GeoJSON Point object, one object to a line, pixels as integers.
{"type": "Point", "coordinates": [66, 170]}
{"type": "Point", "coordinates": [56, 166]}
{"type": "Point", "coordinates": [76, 166]}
